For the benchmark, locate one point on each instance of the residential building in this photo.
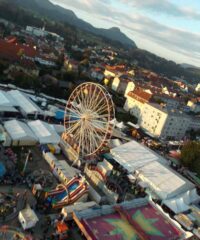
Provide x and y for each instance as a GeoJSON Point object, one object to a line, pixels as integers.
{"type": "Point", "coordinates": [194, 105]}
{"type": "Point", "coordinates": [164, 122]}
{"type": "Point", "coordinates": [194, 123]}
{"type": "Point", "coordinates": [123, 84]}
{"type": "Point", "coordinates": [135, 101]}
{"type": "Point", "coordinates": [97, 74]}
{"type": "Point", "coordinates": [24, 66]}
{"type": "Point", "coordinates": [157, 120]}
{"type": "Point", "coordinates": [38, 32]}
{"type": "Point", "coordinates": [172, 102]}
{"type": "Point", "coordinates": [197, 89]}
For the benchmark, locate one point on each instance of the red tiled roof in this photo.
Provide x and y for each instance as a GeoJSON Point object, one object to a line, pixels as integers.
{"type": "Point", "coordinates": [119, 68]}
{"type": "Point", "coordinates": [140, 95]}
{"type": "Point", "coordinates": [13, 51]}
{"type": "Point", "coordinates": [11, 39]}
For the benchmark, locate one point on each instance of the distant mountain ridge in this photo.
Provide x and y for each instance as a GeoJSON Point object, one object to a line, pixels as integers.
{"type": "Point", "coordinates": [48, 9]}
{"type": "Point", "coordinates": [186, 65]}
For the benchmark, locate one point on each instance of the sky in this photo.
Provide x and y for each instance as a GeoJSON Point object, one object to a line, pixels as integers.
{"type": "Point", "coordinates": [168, 28]}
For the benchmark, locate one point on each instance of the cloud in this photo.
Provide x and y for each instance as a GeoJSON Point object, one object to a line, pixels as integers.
{"type": "Point", "coordinates": [173, 40]}
{"type": "Point", "coordinates": [87, 5]}
{"type": "Point", "coordinates": [164, 6]}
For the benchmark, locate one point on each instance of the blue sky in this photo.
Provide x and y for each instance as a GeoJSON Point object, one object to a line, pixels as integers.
{"type": "Point", "coordinates": [168, 28]}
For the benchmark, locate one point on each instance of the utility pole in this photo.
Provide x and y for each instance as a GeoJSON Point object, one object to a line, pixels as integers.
{"type": "Point", "coordinates": [26, 162]}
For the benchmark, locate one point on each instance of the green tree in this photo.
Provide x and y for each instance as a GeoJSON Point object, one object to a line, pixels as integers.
{"type": "Point", "coordinates": [190, 156]}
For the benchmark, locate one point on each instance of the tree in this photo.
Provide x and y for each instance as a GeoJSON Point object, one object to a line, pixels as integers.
{"type": "Point", "coordinates": [190, 156]}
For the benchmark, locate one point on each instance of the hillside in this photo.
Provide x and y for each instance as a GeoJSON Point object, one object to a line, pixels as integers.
{"type": "Point", "coordinates": [55, 12]}
{"type": "Point", "coordinates": [28, 15]}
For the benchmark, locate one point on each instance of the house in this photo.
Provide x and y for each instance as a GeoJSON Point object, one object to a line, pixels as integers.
{"type": "Point", "coordinates": [197, 89]}
{"type": "Point", "coordinates": [123, 84]}
{"type": "Point", "coordinates": [113, 71]}
{"type": "Point", "coordinates": [97, 74]}
{"type": "Point", "coordinates": [71, 65]}
{"type": "Point", "coordinates": [25, 66]}
{"type": "Point", "coordinates": [38, 32]}
{"type": "Point", "coordinates": [194, 105]}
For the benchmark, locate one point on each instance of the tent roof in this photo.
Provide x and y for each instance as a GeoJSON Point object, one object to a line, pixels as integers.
{"type": "Point", "coordinates": [151, 168]}
{"type": "Point", "coordinates": [8, 109]}
{"type": "Point", "coordinates": [133, 155]}
{"type": "Point", "coordinates": [164, 181]}
{"type": "Point", "coordinates": [6, 99]}
{"type": "Point", "coordinates": [58, 128]}
{"type": "Point", "coordinates": [24, 102]}
{"type": "Point", "coordinates": [44, 132]}
{"type": "Point", "coordinates": [19, 130]}
{"type": "Point", "coordinates": [181, 204]}
{"type": "Point", "coordinates": [177, 205]}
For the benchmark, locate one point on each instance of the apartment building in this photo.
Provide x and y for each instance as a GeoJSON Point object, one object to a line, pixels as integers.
{"type": "Point", "coordinates": [158, 120]}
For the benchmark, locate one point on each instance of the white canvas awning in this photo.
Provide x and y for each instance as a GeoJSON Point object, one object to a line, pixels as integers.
{"type": "Point", "coordinates": [25, 103]}
{"type": "Point", "coordinates": [19, 131]}
{"type": "Point", "coordinates": [164, 181]}
{"type": "Point", "coordinates": [133, 155]}
{"type": "Point", "coordinates": [6, 99]}
{"type": "Point", "coordinates": [58, 128]}
{"type": "Point", "coordinates": [182, 202]}
{"type": "Point", "coordinates": [44, 132]}
{"type": "Point", "coordinates": [177, 205]}
{"type": "Point", "coordinates": [152, 169]}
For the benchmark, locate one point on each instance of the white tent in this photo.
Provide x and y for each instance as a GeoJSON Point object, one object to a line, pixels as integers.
{"type": "Point", "coordinates": [6, 99]}
{"type": "Point", "coordinates": [181, 204]}
{"type": "Point", "coordinates": [177, 205]}
{"type": "Point", "coordinates": [133, 155]}
{"type": "Point", "coordinates": [27, 218]}
{"type": "Point", "coordinates": [20, 133]}
{"type": "Point", "coordinates": [151, 169]}
{"type": "Point", "coordinates": [44, 132]}
{"type": "Point", "coordinates": [25, 103]}
{"type": "Point", "coordinates": [163, 181]}
{"type": "Point", "coordinates": [58, 128]}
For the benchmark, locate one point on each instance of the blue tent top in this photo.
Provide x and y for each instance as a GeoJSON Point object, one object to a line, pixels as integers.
{"type": "Point", "coordinates": [2, 169]}
{"type": "Point", "coordinates": [60, 115]}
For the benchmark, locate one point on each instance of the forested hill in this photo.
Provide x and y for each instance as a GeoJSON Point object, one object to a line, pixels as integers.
{"type": "Point", "coordinates": [27, 15]}
{"type": "Point", "coordinates": [47, 9]}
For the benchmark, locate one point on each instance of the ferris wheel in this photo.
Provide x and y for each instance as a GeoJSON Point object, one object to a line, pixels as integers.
{"type": "Point", "coordinates": [88, 119]}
